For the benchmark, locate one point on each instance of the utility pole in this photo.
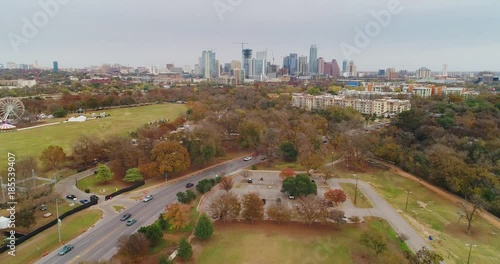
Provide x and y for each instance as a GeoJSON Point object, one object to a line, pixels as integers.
{"type": "Point", "coordinates": [356, 190]}
{"type": "Point", "coordinates": [407, 197]}
{"type": "Point", "coordinates": [3, 192]}
{"type": "Point", "coordinates": [470, 251]}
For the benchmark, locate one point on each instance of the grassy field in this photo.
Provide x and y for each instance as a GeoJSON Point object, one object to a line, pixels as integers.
{"type": "Point", "coordinates": [432, 215]}
{"type": "Point", "coordinates": [48, 240]}
{"type": "Point", "coordinates": [101, 188]}
{"type": "Point", "coordinates": [290, 243]}
{"type": "Point", "coordinates": [121, 122]}
{"type": "Point", "coordinates": [361, 200]}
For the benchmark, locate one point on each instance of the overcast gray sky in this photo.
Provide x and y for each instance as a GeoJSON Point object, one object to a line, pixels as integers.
{"type": "Point", "coordinates": [461, 33]}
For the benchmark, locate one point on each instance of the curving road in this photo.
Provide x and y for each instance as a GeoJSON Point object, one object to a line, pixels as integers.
{"type": "Point", "coordinates": [100, 242]}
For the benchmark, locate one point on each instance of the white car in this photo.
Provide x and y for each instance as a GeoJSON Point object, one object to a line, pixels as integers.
{"type": "Point", "coordinates": [148, 198]}
{"type": "Point", "coordinates": [247, 158]}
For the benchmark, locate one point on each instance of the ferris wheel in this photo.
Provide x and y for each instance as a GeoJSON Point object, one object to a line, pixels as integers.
{"type": "Point", "coordinates": [11, 108]}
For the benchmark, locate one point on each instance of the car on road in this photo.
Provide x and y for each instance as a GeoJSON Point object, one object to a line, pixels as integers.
{"type": "Point", "coordinates": [247, 158]}
{"type": "Point", "coordinates": [131, 222]}
{"type": "Point", "coordinates": [71, 197]}
{"type": "Point", "coordinates": [189, 185]}
{"type": "Point", "coordinates": [94, 197]}
{"type": "Point", "coordinates": [125, 216]}
{"type": "Point", "coordinates": [64, 250]}
{"type": "Point", "coordinates": [84, 201]}
{"type": "Point", "coordinates": [147, 198]}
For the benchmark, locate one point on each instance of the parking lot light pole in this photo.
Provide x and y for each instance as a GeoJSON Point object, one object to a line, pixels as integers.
{"type": "Point", "coordinates": [470, 250]}
{"type": "Point", "coordinates": [58, 220]}
{"type": "Point", "coordinates": [407, 197]}
{"type": "Point", "coordinates": [356, 190]}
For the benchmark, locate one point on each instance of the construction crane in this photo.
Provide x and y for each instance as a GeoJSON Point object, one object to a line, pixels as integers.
{"type": "Point", "coordinates": [242, 45]}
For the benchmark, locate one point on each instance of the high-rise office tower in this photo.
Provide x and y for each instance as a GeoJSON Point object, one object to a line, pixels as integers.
{"type": "Point", "coordinates": [345, 63]}
{"type": "Point", "coordinates": [423, 72]}
{"type": "Point", "coordinates": [208, 65]}
{"type": "Point", "coordinates": [321, 65]}
{"type": "Point", "coordinates": [290, 63]}
{"type": "Point", "coordinates": [313, 59]}
{"type": "Point", "coordinates": [335, 69]}
{"type": "Point", "coordinates": [235, 64]}
{"type": "Point", "coordinates": [247, 55]}
{"type": "Point", "coordinates": [445, 70]}
{"type": "Point", "coordinates": [55, 66]}
{"type": "Point", "coordinates": [352, 69]}
{"type": "Point", "coordinates": [303, 67]}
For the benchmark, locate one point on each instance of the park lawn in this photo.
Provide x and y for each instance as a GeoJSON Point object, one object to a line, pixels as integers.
{"type": "Point", "coordinates": [101, 188]}
{"type": "Point", "coordinates": [286, 243]}
{"type": "Point", "coordinates": [432, 215]}
{"type": "Point", "coordinates": [361, 201]}
{"type": "Point", "coordinates": [122, 121]}
{"type": "Point", "coordinates": [48, 240]}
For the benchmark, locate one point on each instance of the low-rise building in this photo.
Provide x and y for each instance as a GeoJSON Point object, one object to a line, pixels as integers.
{"type": "Point", "coordinates": [385, 106]}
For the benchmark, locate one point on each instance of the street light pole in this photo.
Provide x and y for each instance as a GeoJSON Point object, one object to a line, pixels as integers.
{"type": "Point", "coordinates": [407, 197]}
{"type": "Point", "coordinates": [470, 250]}
{"type": "Point", "coordinates": [356, 190]}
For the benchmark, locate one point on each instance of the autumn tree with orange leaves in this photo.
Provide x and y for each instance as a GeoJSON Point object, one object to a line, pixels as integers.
{"type": "Point", "coordinates": [177, 215]}
{"type": "Point", "coordinates": [337, 196]}
{"type": "Point", "coordinates": [287, 172]}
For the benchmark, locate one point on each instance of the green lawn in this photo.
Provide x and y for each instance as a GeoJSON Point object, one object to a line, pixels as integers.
{"type": "Point", "coordinates": [48, 240]}
{"type": "Point", "coordinates": [433, 215]}
{"type": "Point", "coordinates": [273, 243]}
{"type": "Point", "coordinates": [361, 200]}
{"type": "Point", "coordinates": [101, 188]}
{"type": "Point", "coordinates": [121, 122]}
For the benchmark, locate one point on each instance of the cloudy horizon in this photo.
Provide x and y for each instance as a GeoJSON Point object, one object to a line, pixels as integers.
{"type": "Point", "coordinates": [426, 33]}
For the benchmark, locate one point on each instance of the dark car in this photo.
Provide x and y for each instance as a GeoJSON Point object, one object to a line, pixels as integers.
{"type": "Point", "coordinates": [189, 185]}
{"type": "Point", "coordinates": [94, 197]}
{"type": "Point", "coordinates": [125, 216]}
{"type": "Point", "coordinates": [71, 197]}
{"type": "Point", "coordinates": [43, 207]}
{"type": "Point", "coordinates": [84, 201]}
{"type": "Point", "coordinates": [131, 222]}
{"type": "Point", "coordinates": [64, 250]}
{"type": "Point", "coordinates": [249, 181]}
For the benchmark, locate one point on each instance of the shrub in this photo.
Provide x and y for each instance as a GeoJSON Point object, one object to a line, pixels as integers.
{"type": "Point", "coordinates": [87, 190]}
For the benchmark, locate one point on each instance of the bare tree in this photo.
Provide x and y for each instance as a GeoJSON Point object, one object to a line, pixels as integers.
{"type": "Point", "coordinates": [279, 212]}
{"type": "Point", "coordinates": [133, 247]}
{"type": "Point", "coordinates": [226, 183]}
{"type": "Point", "coordinates": [311, 209]}
{"type": "Point", "coordinates": [226, 206]}
{"type": "Point", "coordinates": [336, 216]}
{"type": "Point", "coordinates": [472, 210]}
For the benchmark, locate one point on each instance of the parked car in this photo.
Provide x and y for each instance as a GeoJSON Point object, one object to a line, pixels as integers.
{"type": "Point", "coordinates": [94, 197]}
{"type": "Point", "coordinates": [71, 197]}
{"type": "Point", "coordinates": [84, 201]}
{"type": "Point", "coordinates": [148, 198]}
{"type": "Point", "coordinates": [131, 222]}
{"type": "Point", "coordinates": [250, 181]}
{"type": "Point", "coordinates": [189, 185]}
{"type": "Point", "coordinates": [125, 216]}
{"type": "Point", "coordinates": [64, 250]}
{"type": "Point", "coordinates": [43, 207]}
{"type": "Point", "coordinates": [263, 158]}
{"type": "Point", "coordinates": [247, 158]}
{"type": "Point", "coordinates": [291, 197]}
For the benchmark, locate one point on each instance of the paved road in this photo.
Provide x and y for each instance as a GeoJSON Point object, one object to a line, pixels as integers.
{"type": "Point", "coordinates": [100, 242]}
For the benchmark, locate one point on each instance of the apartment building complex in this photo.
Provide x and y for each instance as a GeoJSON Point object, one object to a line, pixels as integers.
{"type": "Point", "coordinates": [381, 107]}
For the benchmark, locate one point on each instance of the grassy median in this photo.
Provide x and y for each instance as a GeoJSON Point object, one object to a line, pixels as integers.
{"type": "Point", "coordinates": [361, 200]}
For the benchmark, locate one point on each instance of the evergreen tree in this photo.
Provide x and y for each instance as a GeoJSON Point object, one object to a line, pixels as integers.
{"type": "Point", "coordinates": [185, 250]}
{"type": "Point", "coordinates": [204, 228]}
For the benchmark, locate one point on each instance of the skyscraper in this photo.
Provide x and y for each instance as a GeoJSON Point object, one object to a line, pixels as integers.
{"type": "Point", "coordinates": [344, 66]}
{"type": "Point", "coordinates": [313, 59]}
{"type": "Point", "coordinates": [247, 55]}
{"type": "Point", "coordinates": [208, 65]}
{"type": "Point", "coordinates": [352, 69]}
{"type": "Point", "coordinates": [423, 72]}
{"type": "Point", "coordinates": [290, 63]}
{"type": "Point", "coordinates": [445, 70]}
{"type": "Point", "coordinates": [303, 67]}
{"type": "Point", "coordinates": [321, 65]}
{"type": "Point", "coordinates": [335, 69]}
{"type": "Point", "coordinates": [55, 66]}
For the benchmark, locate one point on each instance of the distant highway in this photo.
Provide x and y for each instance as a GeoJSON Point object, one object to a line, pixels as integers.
{"type": "Point", "coordinates": [100, 242]}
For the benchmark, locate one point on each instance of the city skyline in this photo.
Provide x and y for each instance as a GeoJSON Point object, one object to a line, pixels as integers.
{"type": "Point", "coordinates": [158, 33]}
